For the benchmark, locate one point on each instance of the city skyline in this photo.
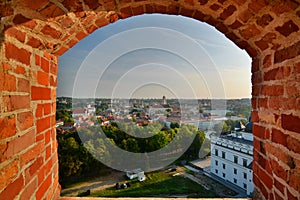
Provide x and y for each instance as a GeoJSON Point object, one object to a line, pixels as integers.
{"type": "Point", "coordinates": [185, 59]}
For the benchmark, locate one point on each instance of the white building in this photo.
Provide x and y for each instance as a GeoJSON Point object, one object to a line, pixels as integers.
{"type": "Point", "coordinates": [231, 159]}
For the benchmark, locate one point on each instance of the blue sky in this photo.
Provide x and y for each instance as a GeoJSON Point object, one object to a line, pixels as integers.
{"type": "Point", "coordinates": [150, 56]}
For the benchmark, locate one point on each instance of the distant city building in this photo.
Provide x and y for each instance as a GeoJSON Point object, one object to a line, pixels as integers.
{"type": "Point", "coordinates": [79, 112]}
{"type": "Point", "coordinates": [232, 156]}
{"type": "Point", "coordinates": [164, 101]}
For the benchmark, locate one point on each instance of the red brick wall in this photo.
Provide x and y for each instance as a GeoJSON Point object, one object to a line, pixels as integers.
{"type": "Point", "coordinates": [34, 33]}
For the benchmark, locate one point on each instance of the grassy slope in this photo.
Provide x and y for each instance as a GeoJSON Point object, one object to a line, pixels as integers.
{"type": "Point", "coordinates": [158, 184]}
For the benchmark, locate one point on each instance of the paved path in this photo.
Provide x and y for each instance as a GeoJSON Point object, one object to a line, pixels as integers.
{"type": "Point", "coordinates": [197, 180]}
{"type": "Point", "coordinates": [99, 183]}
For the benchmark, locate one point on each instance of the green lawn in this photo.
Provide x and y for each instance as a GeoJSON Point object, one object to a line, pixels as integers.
{"type": "Point", "coordinates": [158, 184]}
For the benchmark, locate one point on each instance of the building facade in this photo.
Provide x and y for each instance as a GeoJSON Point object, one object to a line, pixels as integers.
{"type": "Point", "coordinates": [231, 159]}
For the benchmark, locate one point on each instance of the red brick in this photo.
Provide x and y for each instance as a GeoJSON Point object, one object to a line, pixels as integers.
{"type": "Point", "coordinates": [7, 127]}
{"type": "Point", "coordinates": [20, 19]}
{"type": "Point", "coordinates": [203, 2]}
{"type": "Point", "coordinates": [13, 32]}
{"type": "Point", "coordinates": [249, 32]}
{"type": "Point", "coordinates": [256, 90]}
{"type": "Point", "coordinates": [45, 64]}
{"type": "Point", "coordinates": [81, 35]}
{"type": "Point", "coordinates": [43, 78]}
{"type": "Point", "coordinates": [47, 108]}
{"type": "Point", "coordinates": [277, 73]}
{"type": "Point", "coordinates": [254, 116]}
{"type": "Point", "coordinates": [254, 104]}
{"type": "Point", "coordinates": [40, 137]}
{"type": "Point", "coordinates": [272, 90]}
{"type": "Point", "coordinates": [293, 144]}
{"type": "Point", "coordinates": [287, 53]}
{"type": "Point", "coordinates": [173, 9]}
{"type": "Point", "coordinates": [268, 134]}
{"type": "Point", "coordinates": [279, 153]}
{"type": "Point", "coordinates": [279, 186]}
{"type": "Point", "coordinates": [264, 20]}
{"type": "Point", "coordinates": [6, 10]}
{"type": "Point", "coordinates": [283, 103]}
{"type": "Point", "coordinates": [34, 5]}
{"type": "Point", "coordinates": [48, 30]}
{"type": "Point", "coordinates": [236, 24]}
{"type": "Point", "coordinates": [18, 54]}
{"type": "Point", "coordinates": [35, 167]}
{"type": "Point", "coordinates": [126, 12]}
{"type": "Point", "coordinates": [47, 137]}
{"type": "Point", "coordinates": [287, 28]}
{"type": "Point", "coordinates": [266, 179]}
{"type": "Point", "coordinates": [263, 45]}
{"type": "Point", "coordinates": [25, 120]}
{"type": "Point", "coordinates": [32, 153]}
{"type": "Point", "coordinates": [295, 181]}
{"type": "Point", "coordinates": [53, 68]}
{"type": "Point", "coordinates": [67, 22]}
{"type": "Point", "coordinates": [61, 50]}
{"type": "Point", "coordinates": [259, 131]}
{"type": "Point", "coordinates": [292, 89]}
{"type": "Point", "coordinates": [8, 173]}
{"type": "Point", "coordinates": [267, 62]}
{"type": "Point", "coordinates": [29, 190]}
{"type": "Point", "coordinates": [44, 187]}
{"type": "Point", "coordinates": [13, 189]}
{"type": "Point", "coordinates": [255, 65]}
{"type": "Point", "coordinates": [278, 170]}
{"type": "Point", "coordinates": [257, 5]}
{"type": "Point", "coordinates": [245, 15]}
{"type": "Point", "coordinates": [42, 124]}
{"type": "Point", "coordinates": [7, 82]}
{"type": "Point", "coordinates": [102, 21]}
{"type": "Point", "coordinates": [39, 110]}
{"type": "Point", "coordinates": [15, 102]}
{"type": "Point", "coordinates": [290, 122]}
{"type": "Point", "coordinates": [34, 42]}
{"type": "Point", "coordinates": [48, 167]}
{"type": "Point", "coordinates": [30, 24]}
{"type": "Point", "coordinates": [256, 77]}
{"type": "Point", "coordinates": [279, 137]}
{"type": "Point", "coordinates": [23, 85]}
{"type": "Point", "coordinates": [261, 160]}
{"type": "Point", "coordinates": [19, 70]}
{"type": "Point", "coordinates": [291, 196]}
{"type": "Point", "coordinates": [48, 152]}
{"type": "Point", "coordinates": [53, 81]}
{"type": "Point", "coordinates": [138, 10]}
{"type": "Point", "coordinates": [113, 17]}
{"type": "Point", "coordinates": [263, 102]}
{"type": "Point", "coordinates": [6, 66]}
{"type": "Point", "coordinates": [161, 9]}
{"type": "Point", "coordinates": [39, 93]}
{"type": "Point", "coordinates": [215, 7]}
{"type": "Point", "coordinates": [37, 60]}
{"type": "Point", "coordinates": [92, 4]}
{"type": "Point", "coordinates": [228, 12]}
{"type": "Point", "coordinates": [41, 175]}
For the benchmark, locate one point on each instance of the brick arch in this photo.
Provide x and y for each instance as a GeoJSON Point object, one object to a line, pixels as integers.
{"type": "Point", "coordinates": [36, 33]}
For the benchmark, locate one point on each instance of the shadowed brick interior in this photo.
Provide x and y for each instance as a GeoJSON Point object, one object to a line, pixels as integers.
{"type": "Point", "coordinates": [35, 33]}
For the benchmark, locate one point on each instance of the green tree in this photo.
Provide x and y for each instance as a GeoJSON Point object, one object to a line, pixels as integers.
{"type": "Point", "coordinates": [222, 128]}
{"type": "Point", "coordinates": [158, 141]}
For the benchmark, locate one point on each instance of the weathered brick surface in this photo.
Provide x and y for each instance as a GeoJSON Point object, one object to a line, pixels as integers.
{"type": "Point", "coordinates": [35, 33]}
